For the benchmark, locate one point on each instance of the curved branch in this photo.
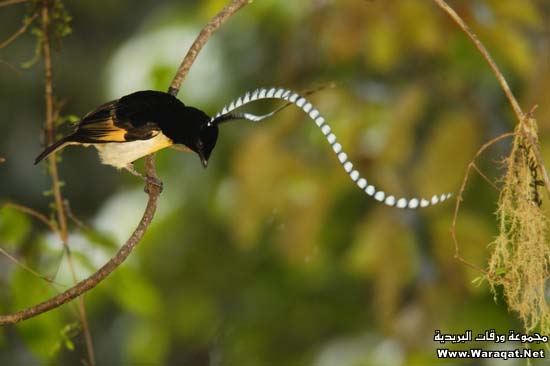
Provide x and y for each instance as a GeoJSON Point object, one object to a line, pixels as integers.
{"type": "Point", "coordinates": [201, 40]}
{"type": "Point", "coordinates": [154, 192]}
{"type": "Point", "coordinates": [101, 274]}
{"type": "Point", "coordinates": [26, 268]}
{"type": "Point", "coordinates": [459, 197]}
{"type": "Point", "coordinates": [486, 55]}
{"type": "Point", "coordinates": [503, 84]}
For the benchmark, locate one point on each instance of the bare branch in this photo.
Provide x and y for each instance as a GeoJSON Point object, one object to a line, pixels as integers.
{"type": "Point", "coordinates": [493, 185]}
{"type": "Point", "coordinates": [460, 195]}
{"type": "Point", "coordinates": [521, 117]}
{"type": "Point", "coordinates": [513, 102]}
{"type": "Point", "coordinates": [21, 30]}
{"type": "Point", "coordinates": [13, 68]}
{"type": "Point", "coordinates": [49, 127]}
{"type": "Point", "coordinates": [27, 268]}
{"type": "Point", "coordinates": [154, 192]}
{"type": "Point", "coordinates": [504, 85]}
{"type": "Point", "coordinates": [102, 273]}
{"type": "Point", "coordinates": [201, 40]}
{"type": "Point", "coordinates": [49, 131]}
{"type": "Point", "coordinates": [73, 218]}
{"type": "Point", "coordinates": [11, 2]}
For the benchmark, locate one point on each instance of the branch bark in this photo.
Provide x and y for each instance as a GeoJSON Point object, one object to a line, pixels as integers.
{"type": "Point", "coordinates": [123, 253]}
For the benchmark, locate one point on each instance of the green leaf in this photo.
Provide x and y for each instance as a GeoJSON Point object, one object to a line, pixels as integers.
{"type": "Point", "coordinates": [69, 344]}
{"type": "Point", "coordinates": [479, 280]}
{"type": "Point", "coordinates": [14, 226]}
{"type": "Point", "coordinates": [135, 293]}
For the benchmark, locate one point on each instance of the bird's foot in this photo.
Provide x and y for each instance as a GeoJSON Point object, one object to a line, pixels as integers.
{"type": "Point", "coordinates": [150, 180]}
{"type": "Point", "coordinates": [153, 181]}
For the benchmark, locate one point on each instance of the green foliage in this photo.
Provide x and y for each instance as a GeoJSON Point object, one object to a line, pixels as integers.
{"type": "Point", "coordinates": [14, 227]}
{"type": "Point", "coordinates": [135, 293]}
{"type": "Point", "coordinates": [59, 26]}
{"type": "Point", "coordinates": [61, 20]}
{"type": "Point", "coordinates": [70, 118]}
{"type": "Point", "coordinates": [67, 333]}
{"type": "Point", "coordinates": [41, 334]}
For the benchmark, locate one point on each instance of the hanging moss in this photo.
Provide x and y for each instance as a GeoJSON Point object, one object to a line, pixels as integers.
{"type": "Point", "coordinates": [521, 255]}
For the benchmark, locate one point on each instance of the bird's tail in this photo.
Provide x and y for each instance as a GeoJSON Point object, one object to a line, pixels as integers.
{"type": "Point", "coordinates": [52, 148]}
{"type": "Point", "coordinates": [226, 115]}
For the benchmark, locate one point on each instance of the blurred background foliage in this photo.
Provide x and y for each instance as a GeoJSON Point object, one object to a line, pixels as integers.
{"type": "Point", "coordinates": [271, 256]}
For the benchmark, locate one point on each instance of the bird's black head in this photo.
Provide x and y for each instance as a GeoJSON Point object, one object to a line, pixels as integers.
{"type": "Point", "coordinates": [205, 142]}
{"type": "Point", "coordinates": [194, 132]}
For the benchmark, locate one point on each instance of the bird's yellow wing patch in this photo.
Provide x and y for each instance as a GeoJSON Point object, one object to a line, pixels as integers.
{"type": "Point", "coordinates": [104, 131]}
{"type": "Point", "coordinates": [107, 131]}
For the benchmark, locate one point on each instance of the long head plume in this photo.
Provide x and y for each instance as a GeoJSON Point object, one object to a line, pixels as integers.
{"type": "Point", "coordinates": [227, 114]}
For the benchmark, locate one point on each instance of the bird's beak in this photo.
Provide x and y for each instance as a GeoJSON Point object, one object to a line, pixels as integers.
{"type": "Point", "coordinates": [204, 160]}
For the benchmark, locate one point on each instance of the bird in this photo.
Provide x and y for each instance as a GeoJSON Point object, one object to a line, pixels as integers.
{"type": "Point", "coordinates": [144, 122]}
{"type": "Point", "coordinates": [138, 124]}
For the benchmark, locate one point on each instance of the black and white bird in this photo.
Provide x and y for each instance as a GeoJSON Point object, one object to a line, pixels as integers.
{"type": "Point", "coordinates": [139, 124]}
{"type": "Point", "coordinates": [144, 122]}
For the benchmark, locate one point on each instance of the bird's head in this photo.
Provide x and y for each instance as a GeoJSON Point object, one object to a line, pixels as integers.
{"type": "Point", "coordinates": [204, 143]}
{"type": "Point", "coordinates": [196, 134]}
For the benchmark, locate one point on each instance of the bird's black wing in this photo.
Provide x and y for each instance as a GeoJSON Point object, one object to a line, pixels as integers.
{"type": "Point", "coordinates": [113, 122]}
{"type": "Point", "coordinates": [137, 116]}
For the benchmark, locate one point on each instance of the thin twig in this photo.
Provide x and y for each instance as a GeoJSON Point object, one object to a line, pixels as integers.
{"type": "Point", "coordinates": [35, 214]}
{"type": "Point", "coordinates": [474, 166]}
{"type": "Point", "coordinates": [513, 102]}
{"type": "Point", "coordinates": [13, 68]}
{"type": "Point", "coordinates": [154, 192]}
{"type": "Point", "coordinates": [49, 129]}
{"type": "Point", "coordinates": [521, 117]}
{"type": "Point", "coordinates": [73, 218]}
{"type": "Point", "coordinates": [201, 40]}
{"type": "Point", "coordinates": [460, 195]}
{"type": "Point", "coordinates": [11, 2]}
{"type": "Point", "coordinates": [21, 30]}
{"type": "Point", "coordinates": [504, 85]}
{"type": "Point", "coordinates": [27, 268]}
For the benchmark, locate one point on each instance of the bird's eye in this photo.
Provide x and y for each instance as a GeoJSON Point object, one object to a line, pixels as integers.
{"type": "Point", "coordinates": [200, 144]}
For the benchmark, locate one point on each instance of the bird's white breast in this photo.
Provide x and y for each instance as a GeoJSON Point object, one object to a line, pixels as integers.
{"type": "Point", "coordinates": [121, 154]}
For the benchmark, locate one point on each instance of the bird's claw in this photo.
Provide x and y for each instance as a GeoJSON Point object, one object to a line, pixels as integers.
{"type": "Point", "coordinates": [153, 181]}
